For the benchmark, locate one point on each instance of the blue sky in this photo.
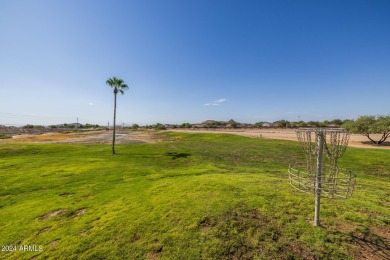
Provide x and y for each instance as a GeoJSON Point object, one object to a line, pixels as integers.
{"type": "Point", "coordinates": [189, 61]}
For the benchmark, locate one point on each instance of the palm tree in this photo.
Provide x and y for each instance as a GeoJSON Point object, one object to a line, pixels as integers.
{"type": "Point", "coordinates": [119, 86]}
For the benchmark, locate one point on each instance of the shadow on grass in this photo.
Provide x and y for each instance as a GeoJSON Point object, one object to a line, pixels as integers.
{"type": "Point", "coordinates": [175, 156]}
{"type": "Point", "coordinates": [374, 244]}
{"type": "Point", "coordinates": [246, 233]}
{"type": "Point", "coordinates": [376, 145]}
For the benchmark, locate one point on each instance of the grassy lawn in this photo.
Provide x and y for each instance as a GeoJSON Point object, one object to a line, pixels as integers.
{"type": "Point", "coordinates": [199, 196]}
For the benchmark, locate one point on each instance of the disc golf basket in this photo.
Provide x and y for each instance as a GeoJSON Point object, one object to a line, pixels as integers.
{"type": "Point", "coordinates": [320, 175]}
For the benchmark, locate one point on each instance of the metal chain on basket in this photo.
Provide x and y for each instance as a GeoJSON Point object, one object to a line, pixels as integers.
{"type": "Point", "coordinates": [304, 138]}
{"type": "Point", "coordinates": [333, 151]}
{"type": "Point", "coordinates": [338, 144]}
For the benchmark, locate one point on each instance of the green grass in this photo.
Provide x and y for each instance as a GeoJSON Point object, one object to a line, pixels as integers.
{"type": "Point", "coordinates": [201, 196]}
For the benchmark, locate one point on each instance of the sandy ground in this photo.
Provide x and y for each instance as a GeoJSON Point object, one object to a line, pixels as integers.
{"type": "Point", "coordinates": [102, 137]}
{"type": "Point", "coordinates": [285, 134]}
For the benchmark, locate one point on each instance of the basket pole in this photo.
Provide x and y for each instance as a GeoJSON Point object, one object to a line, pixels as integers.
{"type": "Point", "coordinates": [320, 147]}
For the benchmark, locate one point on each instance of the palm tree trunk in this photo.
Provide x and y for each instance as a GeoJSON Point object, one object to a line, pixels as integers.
{"type": "Point", "coordinates": [113, 133]}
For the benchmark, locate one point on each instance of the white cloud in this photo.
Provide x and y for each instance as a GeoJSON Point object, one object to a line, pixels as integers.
{"type": "Point", "coordinates": [216, 102]}
{"type": "Point", "coordinates": [90, 104]}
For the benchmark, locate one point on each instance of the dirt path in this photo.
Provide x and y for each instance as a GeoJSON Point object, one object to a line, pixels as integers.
{"type": "Point", "coordinates": [283, 134]}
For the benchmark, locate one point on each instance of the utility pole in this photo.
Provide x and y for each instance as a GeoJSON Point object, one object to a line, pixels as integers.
{"type": "Point", "coordinates": [77, 124]}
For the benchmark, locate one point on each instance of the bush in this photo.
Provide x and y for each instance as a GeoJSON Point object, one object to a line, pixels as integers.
{"type": "Point", "coordinates": [160, 127]}
{"type": "Point", "coordinates": [135, 126]}
{"type": "Point", "coordinates": [186, 125]}
{"type": "Point", "coordinates": [28, 126]}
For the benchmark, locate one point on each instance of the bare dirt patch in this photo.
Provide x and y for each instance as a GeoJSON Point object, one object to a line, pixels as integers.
{"type": "Point", "coordinates": [153, 256]}
{"type": "Point", "coordinates": [53, 243]}
{"type": "Point", "coordinates": [52, 214]}
{"type": "Point", "coordinates": [66, 195]}
{"type": "Point", "coordinates": [43, 230]}
{"type": "Point", "coordinates": [50, 137]}
{"type": "Point", "coordinates": [356, 140]}
{"type": "Point", "coordinates": [100, 137]}
{"type": "Point", "coordinates": [80, 212]}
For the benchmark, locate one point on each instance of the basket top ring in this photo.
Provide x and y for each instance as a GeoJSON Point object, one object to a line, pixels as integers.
{"type": "Point", "coordinates": [321, 130]}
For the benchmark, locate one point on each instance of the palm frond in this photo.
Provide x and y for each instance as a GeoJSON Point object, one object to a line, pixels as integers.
{"type": "Point", "coordinates": [124, 86]}
{"type": "Point", "coordinates": [118, 84]}
{"type": "Point", "coordinates": [110, 82]}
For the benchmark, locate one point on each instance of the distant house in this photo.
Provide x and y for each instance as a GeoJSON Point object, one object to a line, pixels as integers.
{"type": "Point", "coordinates": [263, 124]}
{"type": "Point", "coordinates": [247, 126]}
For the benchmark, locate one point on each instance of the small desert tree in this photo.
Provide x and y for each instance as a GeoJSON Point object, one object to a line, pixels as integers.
{"type": "Point", "coordinates": [135, 126]}
{"type": "Point", "coordinates": [119, 86]}
{"type": "Point", "coordinates": [367, 125]}
{"type": "Point", "coordinates": [283, 123]}
{"type": "Point", "coordinates": [160, 126]}
{"type": "Point", "coordinates": [336, 122]}
{"type": "Point", "coordinates": [259, 124]}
